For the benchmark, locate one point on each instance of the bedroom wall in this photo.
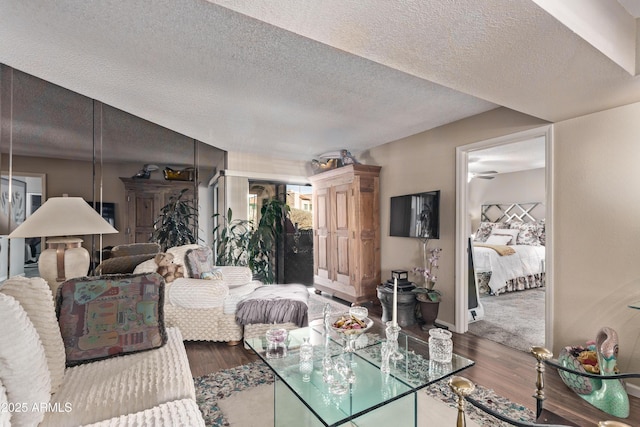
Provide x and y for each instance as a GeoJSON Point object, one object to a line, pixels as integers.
{"type": "Point", "coordinates": [597, 229]}
{"type": "Point", "coordinates": [425, 162]}
{"type": "Point", "coordinates": [515, 187]}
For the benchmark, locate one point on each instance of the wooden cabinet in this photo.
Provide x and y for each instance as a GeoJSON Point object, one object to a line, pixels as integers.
{"type": "Point", "coordinates": [346, 216]}
{"type": "Point", "coordinates": [145, 198]}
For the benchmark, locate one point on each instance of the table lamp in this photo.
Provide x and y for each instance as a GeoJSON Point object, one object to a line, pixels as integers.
{"type": "Point", "coordinates": [60, 218]}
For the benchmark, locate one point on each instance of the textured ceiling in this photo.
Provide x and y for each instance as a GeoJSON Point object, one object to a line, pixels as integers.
{"type": "Point", "coordinates": [297, 79]}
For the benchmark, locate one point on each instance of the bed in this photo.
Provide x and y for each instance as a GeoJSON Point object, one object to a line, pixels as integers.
{"type": "Point", "coordinates": [509, 248]}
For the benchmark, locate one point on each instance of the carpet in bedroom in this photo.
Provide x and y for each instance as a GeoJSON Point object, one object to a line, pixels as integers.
{"type": "Point", "coordinates": [515, 319]}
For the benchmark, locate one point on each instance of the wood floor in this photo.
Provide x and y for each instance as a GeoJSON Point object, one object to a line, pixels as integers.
{"type": "Point", "coordinates": [510, 373]}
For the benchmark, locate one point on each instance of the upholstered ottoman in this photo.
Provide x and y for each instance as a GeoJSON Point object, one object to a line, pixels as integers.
{"type": "Point", "coordinates": [283, 305]}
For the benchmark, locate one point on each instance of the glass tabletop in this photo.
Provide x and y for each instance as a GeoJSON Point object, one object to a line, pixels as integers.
{"type": "Point", "coordinates": [372, 388]}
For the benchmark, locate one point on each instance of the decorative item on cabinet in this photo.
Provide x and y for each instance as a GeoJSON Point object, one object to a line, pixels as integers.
{"type": "Point", "coordinates": [346, 219]}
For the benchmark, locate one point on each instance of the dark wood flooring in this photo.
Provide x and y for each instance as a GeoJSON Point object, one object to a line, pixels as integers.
{"type": "Point", "coordinates": [510, 373]}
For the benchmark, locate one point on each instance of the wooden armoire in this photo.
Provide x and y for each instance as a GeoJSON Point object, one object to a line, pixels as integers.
{"type": "Point", "coordinates": [145, 198]}
{"type": "Point", "coordinates": [346, 242]}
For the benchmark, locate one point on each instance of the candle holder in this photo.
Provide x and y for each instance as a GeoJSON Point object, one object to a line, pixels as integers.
{"type": "Point", "coordinates": [392, 332]}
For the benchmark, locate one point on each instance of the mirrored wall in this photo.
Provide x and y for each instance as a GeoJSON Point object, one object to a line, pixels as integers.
{"type": "Point", "coordinates": [82, 147]}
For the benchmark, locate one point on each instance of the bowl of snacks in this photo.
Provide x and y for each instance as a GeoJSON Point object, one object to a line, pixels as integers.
{"type": "Point", "coordinates": [348, 324]}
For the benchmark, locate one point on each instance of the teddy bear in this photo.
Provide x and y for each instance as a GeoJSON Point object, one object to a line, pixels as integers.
{"type": "Point", "coordinates": [167, 268]}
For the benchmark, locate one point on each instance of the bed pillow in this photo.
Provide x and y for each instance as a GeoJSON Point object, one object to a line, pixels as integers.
{"type": "Point", "coordinates": [485, 228]}
{"type": "Point", "coordinates": [528, 234]}
{"type": "Point", "coordinates": [111, 315]}
{"type": "Point", "coordinates": [199, 262]}
{"type": "Point", "coordinates": [513, 233]}
{"type": "Point", "coordinates": [496, 239]}
{"type": "Point", "coordinates": [542, 235]}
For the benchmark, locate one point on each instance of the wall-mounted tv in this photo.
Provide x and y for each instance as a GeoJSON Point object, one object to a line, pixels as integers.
{"type": "Point", "coordinates": [416, 215]}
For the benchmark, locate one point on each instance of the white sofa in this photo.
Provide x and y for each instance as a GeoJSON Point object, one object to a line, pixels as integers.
{"type": "Point", "coordinates": [204, 310]}
{"type": "Point", "coordinates": [150, 388]}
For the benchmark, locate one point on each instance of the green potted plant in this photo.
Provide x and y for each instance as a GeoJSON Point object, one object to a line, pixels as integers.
{"type": "Point", "coordinates": [428, 298]}
{"type": "Point", "coordinates": [176, 223]}
{"type": "Point", "coordinates": [233, 237]}
{"type": "Point", "coordinates": [241, 243]}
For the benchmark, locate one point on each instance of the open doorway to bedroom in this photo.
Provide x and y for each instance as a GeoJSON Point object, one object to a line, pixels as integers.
{"type": "Point", "coordinates": [502, 224]}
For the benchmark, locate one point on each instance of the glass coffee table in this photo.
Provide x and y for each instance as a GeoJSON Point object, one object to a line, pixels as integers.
{"type": "Point", "coordinates": [360, 393]}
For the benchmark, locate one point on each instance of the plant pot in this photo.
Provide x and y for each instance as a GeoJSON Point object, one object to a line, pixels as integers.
{"type": "Point", "coordinates": [429, 311]}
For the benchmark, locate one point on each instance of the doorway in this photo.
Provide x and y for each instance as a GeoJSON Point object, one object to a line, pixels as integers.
{"type": "Point", "coordinates": [472, 171]}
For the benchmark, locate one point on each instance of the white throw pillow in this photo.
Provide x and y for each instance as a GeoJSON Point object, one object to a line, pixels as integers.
{"type": "Point", "coordinates": [179, 252]}
{"type": "Point", "coordinates": [23, 364]}
{"type": "Point", "coordinates": [148, 266]}
{"type": "Point", "coordinates": [497, 239]}
{"type": "Point", "coordinates": [513, 233]}
{"type": "Point", "coordinates": [34, 295]}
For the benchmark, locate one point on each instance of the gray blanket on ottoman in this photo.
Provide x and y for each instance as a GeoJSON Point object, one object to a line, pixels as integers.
{"type": "Point", "coordinates": [274, 304]}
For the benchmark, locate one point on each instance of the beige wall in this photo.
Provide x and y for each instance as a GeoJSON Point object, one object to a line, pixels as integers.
{"type": "Point", "coordinates": [597, 229]}
{"type": "Point", "coordinates": [426, 162]}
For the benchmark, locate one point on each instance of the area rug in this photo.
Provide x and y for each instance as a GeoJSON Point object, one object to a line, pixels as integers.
{"type": "Point", "coordinates": [234, 397]}
{"type": "Point", "coordinates": [515, 319]}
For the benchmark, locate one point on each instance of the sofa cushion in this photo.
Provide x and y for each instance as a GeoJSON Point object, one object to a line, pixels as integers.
{"type": "Point", "coordinates": [23, 364]}
{"type": "Point", "coordinates": [122, 264]}
{"type": "Point", "coordinates": [235, 276]}
{"type": "Point", "coordinates": [34, 295]}
{"type": "Point", "coordinates": [183, 412]}
{"type": "Point", "coordinates": [105, 316]}
{"type": "Point", "coordinates": [199, 262]}
{"type": "Point", "coordinates": [5, 415]}
{"type": "Point", "coordinates": [135, 249]}
{"type": "Point", "coordinates": [129, 384]}
{"type": "Point", "coordinates": [196, 293]}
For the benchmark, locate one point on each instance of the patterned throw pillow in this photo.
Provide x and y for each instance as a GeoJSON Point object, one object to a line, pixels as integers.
{"type": "Point", "coordinates": [542, 234]}
{"type": "Point", "coordinates": [528, 233]}
{"type": "Point", "coordinates": [111, 315]}
{"type": "Point", "coordinates": [485, 228]}
{"type": "Point", "coordinates": [199, 261]}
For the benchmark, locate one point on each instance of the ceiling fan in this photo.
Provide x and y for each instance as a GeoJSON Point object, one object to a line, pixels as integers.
{"type": "Point", "coordinates": [484, 175]}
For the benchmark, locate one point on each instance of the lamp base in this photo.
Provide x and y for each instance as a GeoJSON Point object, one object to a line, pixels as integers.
{"type": "Point", "coordinates": [63, 259]}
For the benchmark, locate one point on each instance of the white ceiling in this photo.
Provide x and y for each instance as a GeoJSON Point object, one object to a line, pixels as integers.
{"type": "Point", "coordinates": [297, 79]}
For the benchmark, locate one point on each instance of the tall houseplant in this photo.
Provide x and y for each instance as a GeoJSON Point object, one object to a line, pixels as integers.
{"type": "Point", "coordinates": [240, 242]}
{"type": "Point", "coordinates": [176, 223]}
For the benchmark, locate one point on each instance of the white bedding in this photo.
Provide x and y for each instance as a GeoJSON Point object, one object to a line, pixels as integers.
{"type": "Point", "coordinates": [527, 260]}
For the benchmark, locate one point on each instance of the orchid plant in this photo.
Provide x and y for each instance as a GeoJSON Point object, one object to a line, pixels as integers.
{"type": "Point", "coordinates": [429, 272]}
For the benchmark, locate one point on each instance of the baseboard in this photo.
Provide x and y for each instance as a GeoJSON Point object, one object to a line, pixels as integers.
{"type": "Point", "coordinates": [446, 325]}
{"type": "Point", "coordinates": [633, 390]}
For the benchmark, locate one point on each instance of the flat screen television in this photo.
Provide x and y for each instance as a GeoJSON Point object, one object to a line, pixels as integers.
{"type": "Point", "coordinates": [416, 215]}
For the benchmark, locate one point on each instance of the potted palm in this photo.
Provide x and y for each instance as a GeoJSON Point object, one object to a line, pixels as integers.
{"type": "Point", "coordinates": [242, 243]}
{"type": "Point", "coordinates": [428, 298]}
{"type": "Point", "coordinates": [176, 223]}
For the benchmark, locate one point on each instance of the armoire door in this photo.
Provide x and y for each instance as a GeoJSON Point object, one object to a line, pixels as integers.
{"type": "Point", "coordinates": [341, 234]}
{"type": "Point", "coordinates": [322, 233]}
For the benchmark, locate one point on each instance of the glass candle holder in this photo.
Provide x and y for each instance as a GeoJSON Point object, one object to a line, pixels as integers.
{"type": "Point", "coordinates": [392, 332]}
{"type": "Point", "coordinates": [276, 343]}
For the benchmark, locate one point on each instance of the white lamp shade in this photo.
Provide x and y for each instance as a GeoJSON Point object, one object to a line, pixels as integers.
{"type": "Point", "coordinates": [63, 216]}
